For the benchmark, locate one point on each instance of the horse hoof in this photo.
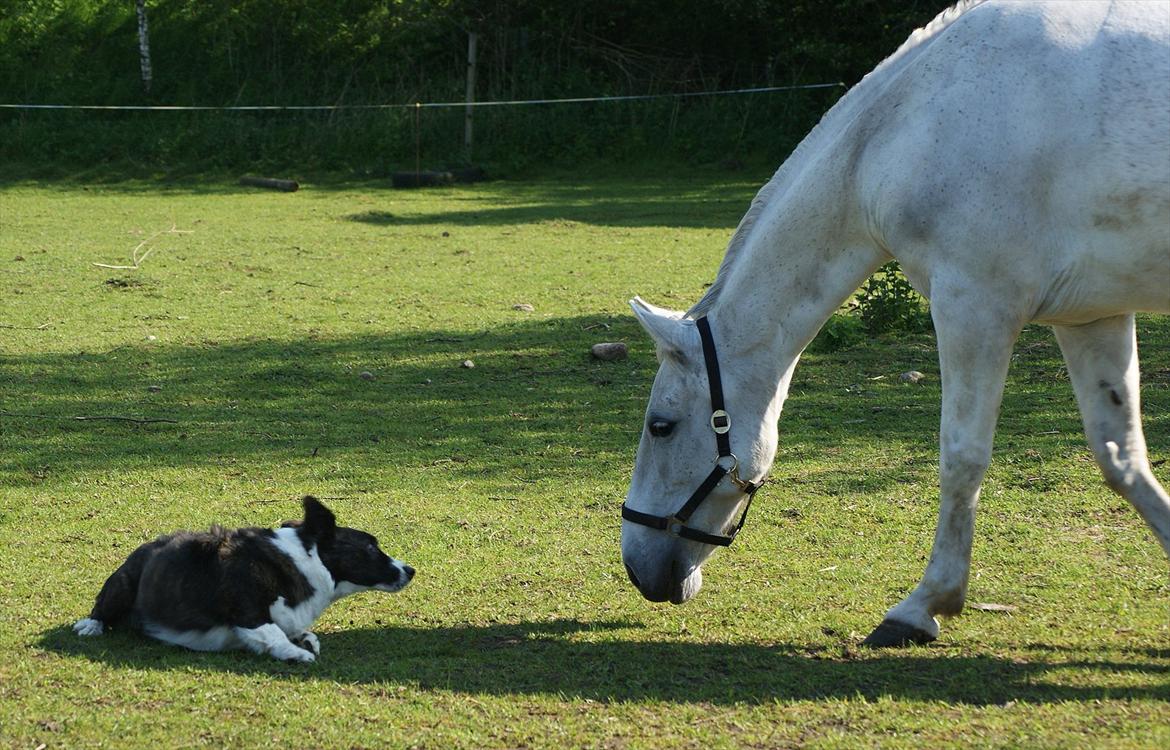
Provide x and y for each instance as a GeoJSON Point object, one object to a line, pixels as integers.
{"type": "Point", "coordinates": [894, 634]}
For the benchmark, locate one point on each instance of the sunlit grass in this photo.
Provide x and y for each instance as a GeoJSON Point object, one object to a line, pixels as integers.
{"type": "Point", "coordinates": [501, 484]}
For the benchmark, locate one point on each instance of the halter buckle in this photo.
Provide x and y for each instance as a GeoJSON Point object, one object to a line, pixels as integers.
{"type": "Point", "coordinates": [720, 422]}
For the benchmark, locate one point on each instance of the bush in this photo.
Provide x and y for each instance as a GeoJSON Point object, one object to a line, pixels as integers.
{"type": "Point", "coordinates": [840, 332]}
{"type": "Point", "coordinates": [887, 303]}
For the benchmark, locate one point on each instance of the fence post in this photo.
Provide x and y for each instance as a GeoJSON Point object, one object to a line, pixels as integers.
{"type": "Point", "coordinates": [471, 39]}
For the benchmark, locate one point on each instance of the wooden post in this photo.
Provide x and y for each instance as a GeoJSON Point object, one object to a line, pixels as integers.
{"type": "Point", "coordinates": [471, 38]}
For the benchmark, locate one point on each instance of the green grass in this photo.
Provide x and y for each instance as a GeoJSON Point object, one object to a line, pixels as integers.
{"type": "Point", "coordinates": [501, 484]}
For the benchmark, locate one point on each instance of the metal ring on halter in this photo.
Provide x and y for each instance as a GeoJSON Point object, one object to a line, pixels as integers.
{"type": "Point", "coordinates": [733, 474]}
{"type": "Point", "coordinates": [733, 470]}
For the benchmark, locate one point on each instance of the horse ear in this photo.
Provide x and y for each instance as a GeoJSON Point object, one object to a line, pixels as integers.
{"type": "Point", "coordinates": [668, 328]}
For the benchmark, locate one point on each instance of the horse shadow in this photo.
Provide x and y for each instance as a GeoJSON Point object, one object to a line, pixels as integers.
{"type": "Point", "coordinates": [602, 661]}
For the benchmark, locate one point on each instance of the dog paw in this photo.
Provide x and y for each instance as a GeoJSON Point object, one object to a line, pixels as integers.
{"type": "Point", "coordinates": [308, 641]}
{"type": "Point", "coordinates": [88, 626]}
{"type": "Point", "coordinates": [299, 655]}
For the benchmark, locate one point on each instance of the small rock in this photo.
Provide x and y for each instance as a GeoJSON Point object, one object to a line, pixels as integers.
{"type": "Point", "coordinates": [366, 375]}
{"type": "Point", "coordinates": [446, 234]}
{"type": "Point", "coordinates": [152, 337]}
{"type": "Point", "coordinates": [913, 376]}
{"type": "Point", "coordinates": [154, 388]}
{"type": "Point", "coordinates": [524, 307]}
{"type": "Point", "coordinates": [610, 351]}
{"type": "Point", "coordinates": [467, 364]}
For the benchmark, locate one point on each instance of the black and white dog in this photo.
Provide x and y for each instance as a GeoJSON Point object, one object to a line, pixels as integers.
{"type": "Point", "coordinates": [253, 588]}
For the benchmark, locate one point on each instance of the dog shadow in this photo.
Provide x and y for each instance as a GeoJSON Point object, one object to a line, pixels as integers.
{"type": "Point", "coordinates": [589, 660]}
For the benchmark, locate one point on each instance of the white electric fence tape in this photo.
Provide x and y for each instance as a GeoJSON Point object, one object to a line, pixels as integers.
{"type": "Point", "coordinates": [416, 105]}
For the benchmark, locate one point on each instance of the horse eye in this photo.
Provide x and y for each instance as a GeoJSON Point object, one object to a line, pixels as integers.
{"type": "Point", "coordinates": [661, 427]}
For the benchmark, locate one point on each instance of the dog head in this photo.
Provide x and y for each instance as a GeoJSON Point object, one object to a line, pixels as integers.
{"type": "Point", "coordinates": [352, 557]}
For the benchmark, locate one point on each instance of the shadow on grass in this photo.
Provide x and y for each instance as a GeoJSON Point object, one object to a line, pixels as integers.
{"type": "Point", "coordinates": [551, 658]}
{"type": "Point", "coordinates": [709, 201]}
{"type": "Point", "coordinates": [535, 398]}
{"type": "Point", "coordinates": [626, 203]}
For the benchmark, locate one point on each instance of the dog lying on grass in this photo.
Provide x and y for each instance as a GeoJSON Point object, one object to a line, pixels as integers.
{"type": "Point", "coordinates": [259, 589]}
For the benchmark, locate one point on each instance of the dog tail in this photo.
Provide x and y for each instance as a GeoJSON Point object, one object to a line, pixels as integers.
{"type": "Point", "coordinates": [115, 602]}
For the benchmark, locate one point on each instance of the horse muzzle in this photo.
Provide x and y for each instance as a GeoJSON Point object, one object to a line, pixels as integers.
{"type": "Point", "coordinates": [671, 583]}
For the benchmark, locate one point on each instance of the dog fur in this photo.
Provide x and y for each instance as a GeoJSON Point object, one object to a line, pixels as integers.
{"type": "Point", "coordinates": [253, 588]}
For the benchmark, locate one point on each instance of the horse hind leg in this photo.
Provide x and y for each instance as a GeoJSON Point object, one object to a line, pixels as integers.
{"type": "Point", "coordinates": [1102, 363]}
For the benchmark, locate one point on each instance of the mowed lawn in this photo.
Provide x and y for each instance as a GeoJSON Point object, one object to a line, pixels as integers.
{"type": "Point", "coordinates": [313, 343]}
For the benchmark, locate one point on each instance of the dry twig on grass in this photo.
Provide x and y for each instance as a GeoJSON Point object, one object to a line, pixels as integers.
{"type": "Point", "coordinates": [91, 418]}
{"type": "Point", "coordinates": [41, 327]}
{"type": "Point", "coordinates": [136, 258]}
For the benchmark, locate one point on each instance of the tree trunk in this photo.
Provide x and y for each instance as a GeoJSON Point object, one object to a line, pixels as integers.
{"type": "Point", "coordinates": [144, 45]}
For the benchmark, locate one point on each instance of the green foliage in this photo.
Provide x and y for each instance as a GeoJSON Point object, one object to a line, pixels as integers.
{"type": "Point", "coordinates": [887, 303]}
{"type": "Point", "coordinates": [306, 52]}
{"type": "Point", "coordinates": [842, 331]}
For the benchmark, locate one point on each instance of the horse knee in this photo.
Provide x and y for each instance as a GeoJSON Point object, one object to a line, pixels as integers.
{"type": "Point", "coordinates": [963, 467]}
{"type": "Point", "coordinates": [1122, 470]}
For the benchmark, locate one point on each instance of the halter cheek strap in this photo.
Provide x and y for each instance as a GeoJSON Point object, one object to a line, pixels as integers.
{"type": "Point", "coordinates": [726, 464]}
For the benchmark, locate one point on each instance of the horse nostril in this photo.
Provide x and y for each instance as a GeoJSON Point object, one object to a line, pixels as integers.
{"type": "Point", "coordinates": [633, 578]}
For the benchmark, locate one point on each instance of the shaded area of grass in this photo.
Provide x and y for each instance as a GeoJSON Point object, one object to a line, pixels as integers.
{"type": "Point", "coordinates": [607, 661]}
{"type": "Point", "coordinates": [533, 391]}
{"type": "Point", "coordinates": [530, 384]}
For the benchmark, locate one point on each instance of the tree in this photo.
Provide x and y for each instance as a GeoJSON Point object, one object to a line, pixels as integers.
{"type": "Point", "coordinates": [144, 46]}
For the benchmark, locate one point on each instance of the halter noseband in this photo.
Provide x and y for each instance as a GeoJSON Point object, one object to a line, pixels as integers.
{"type": "Point", "coordinates": [726, 464]}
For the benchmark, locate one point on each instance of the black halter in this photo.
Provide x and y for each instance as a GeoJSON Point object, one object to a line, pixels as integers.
{"type": "Point", "coordinates": [725, 465]}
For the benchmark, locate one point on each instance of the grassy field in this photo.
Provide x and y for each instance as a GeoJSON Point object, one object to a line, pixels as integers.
{"type": "Point", "coordinates": [250, 333]}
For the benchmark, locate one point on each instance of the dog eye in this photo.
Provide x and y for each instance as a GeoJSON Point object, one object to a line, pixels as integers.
{"type": "Point", "coordinates": [660, 427]}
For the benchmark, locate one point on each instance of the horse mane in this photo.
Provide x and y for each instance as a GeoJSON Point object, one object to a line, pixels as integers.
{"type": "Point", "coordinates": [844, 111]}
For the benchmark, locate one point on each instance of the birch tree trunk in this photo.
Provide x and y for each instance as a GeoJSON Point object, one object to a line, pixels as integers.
{"type": "Point", "coordinates": [144, 45]}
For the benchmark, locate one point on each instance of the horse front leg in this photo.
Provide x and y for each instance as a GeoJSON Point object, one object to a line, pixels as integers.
{"type": "Point", "coordinates": [974, 351]}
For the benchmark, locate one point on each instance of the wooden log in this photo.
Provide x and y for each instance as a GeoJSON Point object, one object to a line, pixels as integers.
{"type": "Point", "coordinates": [469, 174]}
{"type": "Point", "coordinates": [288, 186]}
{"type": "Point", "coordinates": [421, 179]}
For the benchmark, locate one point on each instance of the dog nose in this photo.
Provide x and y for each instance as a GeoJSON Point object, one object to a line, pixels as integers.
{"type": "Point", "coordinates": [409, 571]}
{"type": "Point", "coordinates": [633, 578]}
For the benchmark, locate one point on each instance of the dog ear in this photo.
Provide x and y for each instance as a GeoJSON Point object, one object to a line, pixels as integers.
{"type": "Point", "coordinates": [319, 523]}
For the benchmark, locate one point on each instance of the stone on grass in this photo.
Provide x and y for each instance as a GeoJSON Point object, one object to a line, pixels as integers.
{"type": "Point", "coordinates": [913, 376]}
{"type": "Point", "coordinates": [366, 375]}
{"type": "Point", "coordinates": [524, 307]}
{"type": "Point", "coordinates": [467, 364]}
{"type": "Point", "coordinates": [610, 351]}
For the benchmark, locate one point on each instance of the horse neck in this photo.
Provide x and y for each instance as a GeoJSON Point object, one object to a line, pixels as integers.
{"type": "Point", "coordinates": [806, 244]}
{"type": "Point", "coordinates": [808, 250]}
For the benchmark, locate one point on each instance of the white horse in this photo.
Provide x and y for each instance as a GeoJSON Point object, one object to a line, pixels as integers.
{"type": "Point", "coordinates": [1014, 158]}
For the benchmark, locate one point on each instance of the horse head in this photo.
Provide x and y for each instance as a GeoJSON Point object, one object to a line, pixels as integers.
{"type": "Point", "coordinates": [695, 474]}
